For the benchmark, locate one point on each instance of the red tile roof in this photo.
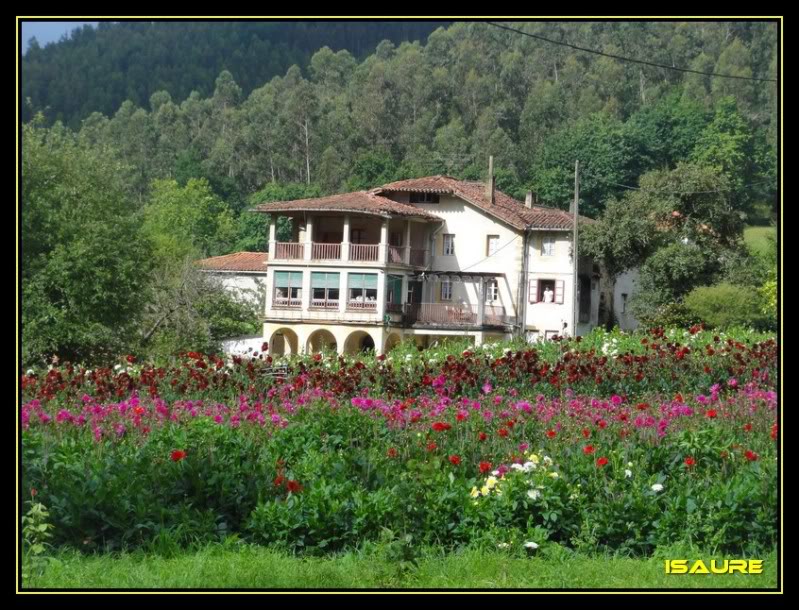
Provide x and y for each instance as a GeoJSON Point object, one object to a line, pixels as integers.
{"type": "Point", "coordinates": [504, 207]}
{"type": "Point", "coordinates": [238, 261]}
{"type": "Point", "coordinates": [359, 202]}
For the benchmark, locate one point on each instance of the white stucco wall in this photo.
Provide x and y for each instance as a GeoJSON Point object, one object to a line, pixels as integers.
{"type": "Point", "coordinates": [244, 286]}
{"type": "Point", "coordinates": [626, 284]}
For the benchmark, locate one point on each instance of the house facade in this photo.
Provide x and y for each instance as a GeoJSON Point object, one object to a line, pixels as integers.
{"type": "Point", "coordinates": [423, 259]}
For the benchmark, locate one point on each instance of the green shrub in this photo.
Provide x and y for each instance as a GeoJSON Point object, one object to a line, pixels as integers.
{"type": "Point", "coordinates": [725, 306]}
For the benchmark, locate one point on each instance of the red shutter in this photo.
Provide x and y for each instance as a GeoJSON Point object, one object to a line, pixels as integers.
{"type": "Point", "coordinates": [559, 285]}
{"type": "Point", "coordinates": [533, 291]}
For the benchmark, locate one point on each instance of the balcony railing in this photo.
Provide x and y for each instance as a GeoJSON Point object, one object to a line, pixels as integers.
{"type": "Point", "coordinates": [450, 314]}
{"type": "Point", "coordinates": [292, 303]}
{"type": "Point", "coordinates": [289, 251]}
{"type": "Point", "coordinates": [362, 305]}
{"type": "Point", "coordinates": [363, 252]}
{"type": "Point", "coordinates": [324, 303]}
{"type": "Point", "coordinates": [326, 252]}
{"type": "Point", "coordinates": [396, 255]}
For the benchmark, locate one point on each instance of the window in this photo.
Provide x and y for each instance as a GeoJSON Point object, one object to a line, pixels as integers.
{"type": "Point", "coordinates": [324, 290]}
{"type": "Point", "coordinates": [492, 291]}
{"type": "Point", "coordinates": [394, 290]}
{"type": "Point", "coordinates": [423, 198]}
{"type": "Point", "coordinates": [362, 290]}
{"type": "Point", "coordinates": [547, 245]}
{"type": "Point", "coordinates": [356, 236]}
{"type": "Point", "coordinates": [492, 244]}
{"type": "Point", "coordinates": [585, 299]}
{"type": "Point", "coordinates": [395, 239]}
{"type": "Point", "coordinates": [546, 291]}
{"type": "Point", "coordinates": [446, 289]}
{"type": "Point", "coordinates": [449, 244]}
{"type": "Point", "coordinates": [624, 302]}
{"type": "Point", "coordinates": [288, 289]}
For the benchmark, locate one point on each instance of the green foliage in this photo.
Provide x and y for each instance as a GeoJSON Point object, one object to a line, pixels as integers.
{"type": "Point", "coordinates": [725, 306]}
{"type": "Point", "coordinates": [189, 221]}
{"type": "Point", "coordinates": [83, 256]}
{"type": "Point", "coordinates": [36, 531]}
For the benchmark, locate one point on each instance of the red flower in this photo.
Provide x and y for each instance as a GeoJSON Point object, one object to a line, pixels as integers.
{"type": "Point", "coordinates": [455, 460]}
{"type": "Point", "coordinates": [177, 455]}
{"type": "Point", "coordinates": [485, 467]}
{"type": "Point", "coordinates": [711, 413]}
{"type": "Point", "coordinates": [317, 357]}
{"type": "Point", "coordinates": [774, 432]}
{"type": "Point", "coordinates": [294, 487]}
{"type": "Point", "coordinates": [642, 406]}
{"type": "Point", "coordinates": [689, 461]}
{"type": "Point", "coordinates": [503, 432]}
{"type": "Point", "coordinates": [601, 462]}
{"type": "Point", "coordinates": [33, 492]}
{"type": "Point", "coordinates": [751, 455]}
{"type": "Point", "coordinates": [588, 449]}
{"type": "Point", "coordinates": [551, 434]}
{"type": "Point", "coordinates": [482, 436]}
{"type": "Point", "coordinates": [602, 424]}
{"type": "Point", "coordinates": [279, 480]}
{"type": "Point", "coordinates": [264, 347]}
{"type": "Point", "coordinates": [431, 446]}
{"type": "Point", "coordinates": [441, 426]}
{"type": "Point", "coordinates": [747, 427]}
{"type": "Point", "coordinates": [724, 454]}
{"type": "Point", "coordinates": [130, 358]}
{"type": "Point", "coordinates": [392, 452]}
{"type": "Point", "coordinates": [586, 433]}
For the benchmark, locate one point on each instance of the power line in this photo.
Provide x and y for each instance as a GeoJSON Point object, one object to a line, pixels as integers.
{"type": "Point", "coordinates": [630, 59]}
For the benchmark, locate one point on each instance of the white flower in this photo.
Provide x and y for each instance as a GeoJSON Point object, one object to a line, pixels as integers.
{"type": "Point", "coordinates": [29, 372]}
{"type": "Point", "coordinates": [408, 357]}
{"type": "Point", "coordinates": [516, 467]}
{"type": "Point", "coordinates": [503, 545]}
{"type": "Point", "coordinates": [628, 473]}
{"type": "Point", "coordinates": [495, 473]}
{"type": "Point", "coordinates": [657, 487]}
{"type": "Point", "coordinates": [530, 545]}
{"type": "Point", "coordinates": [528, 466]}
{"type": "Point", "coordinates": [533, 494]}
{"type": "Point", "coordinates": [547, 460]}
{"type": "Point", "coordinates": [117, 367]}
{"type": "Point", "coordinates": [629, 464]}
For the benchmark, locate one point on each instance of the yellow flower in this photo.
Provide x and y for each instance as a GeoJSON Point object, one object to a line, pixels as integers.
{"type": "Point", "coordinates": [491, 482]}
{"type": "Point", "coordinates": [474, 493]}
{"type": "Point", "coordinates": [484, 490]}
{"type": "Point", "coordinates": [554, 475]}
{"type": "Point", "coordinates": [534, 458]}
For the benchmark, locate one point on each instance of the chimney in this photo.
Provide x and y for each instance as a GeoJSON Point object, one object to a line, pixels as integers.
{"type": "Point", "coordinates": [490, 183]}
{"type": "Point", "coordinates": [528, 200]}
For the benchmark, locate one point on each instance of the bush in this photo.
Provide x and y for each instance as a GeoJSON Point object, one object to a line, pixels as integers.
{"type": "Point", "coordinates": [725, 306]}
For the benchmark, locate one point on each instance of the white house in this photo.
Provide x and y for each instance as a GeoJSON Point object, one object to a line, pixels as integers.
{"type": "Point", "coordinates": [423, 258]}
{"type": "Point", "coordinates": [242, 273]}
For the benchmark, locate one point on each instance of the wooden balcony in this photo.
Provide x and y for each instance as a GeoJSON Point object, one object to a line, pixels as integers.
{"type": "Point", "coordinates": [362, 305]}
{"type": "Point", "coordinates": [324, 304]}
{"type": "Point", "coordinates": [326, 252]}
{"type": "Point", "coordinates": [364, 252]}
{"type": "Point", "coordinates": [456, 315]}
{"type": "Point", "coordinates": [286, 303]}
{"type": "Point", "coordinates": [290, 251]}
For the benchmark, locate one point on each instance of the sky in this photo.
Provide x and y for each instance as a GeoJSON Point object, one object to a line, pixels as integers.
{"type": "Point", "coordinates": [48, 31]}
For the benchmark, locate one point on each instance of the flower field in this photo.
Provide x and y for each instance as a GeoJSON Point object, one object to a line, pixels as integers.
{"type": "Point", "coordinates": [613, 442]}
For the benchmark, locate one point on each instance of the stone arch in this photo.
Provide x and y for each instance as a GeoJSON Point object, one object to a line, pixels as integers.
{"type": "Point", "coordinates": [392, 341]}
{"type": "Point", "coordinates": [359, 341]}
{"type": "Point", "coordinates": [283, 342]}
{"type": "Point", "coordinates": [320, 340]}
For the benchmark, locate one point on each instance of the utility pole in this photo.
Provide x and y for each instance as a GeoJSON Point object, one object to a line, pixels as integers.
{"type": "Point", "coordinates": [575, 256]}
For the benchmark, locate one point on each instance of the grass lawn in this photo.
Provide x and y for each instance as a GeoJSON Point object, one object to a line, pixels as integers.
{"type": "Point", "coordinates": [756, 238]}
{"type": "Point", "coordinates": [257, 567]}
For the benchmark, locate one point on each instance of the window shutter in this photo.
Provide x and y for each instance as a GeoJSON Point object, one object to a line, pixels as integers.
{"type": "Point", "coordinates": [533, 291]}
{"type": "Point", "coordinates": [559, 285]}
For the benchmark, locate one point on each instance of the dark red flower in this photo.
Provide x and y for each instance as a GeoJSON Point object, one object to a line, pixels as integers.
{"type": "Point", "coordinates": [455, 460]}
{"type": "Point", "coordinates": [602, 424]}
{"type": "Point", "coordinates": [264, 347]}
{"type": "Point", "coordinates": [586, 433]}
{"type": "Point", "coordinates": [711, 413]}
{"type": "Point", "coordinates": [33, 492]}
{"type": "Point", "coordinates": [485, 467]}
{"type": "Point", "coordinates": [642, 406]}
{"type": "Point", "coordinates": [431, 446]}
{"type": "Point", "coordinates": [747, 427]}
{"type": "Point", "coordinates": [279, 480]}
{"type": "Point", "coordinates": [178, 455]}
{"type": "Point", "coordinates": [601, 462]}
{"type": "Point", "coordinates": [482, 436]}
{"type": "Point", "coordinates": [392, 452]}
{"type": "Point", "coordinates": [689, 461]}
{"type": "Point", "coordinates": [551, 434]}
{"type": "Point", "coordinates": [441, 426]}
{"type": "Point", "coordinates": [588, 449]}
{"type": "Point", "coordinates": [130, 358]}
{"type": "Point", "coordinates": [774, 432]}
{"type": "Point", "coordinates": [751, 455]}
{"type": "Point", "coordinates": [503, 432]}
{"type": "Point", "coordinates": [293, 486]}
